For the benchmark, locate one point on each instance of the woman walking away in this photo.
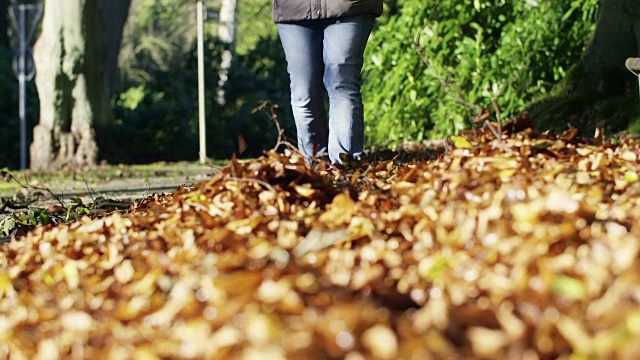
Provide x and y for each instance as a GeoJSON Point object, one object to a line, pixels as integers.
{"type": "Point", "coordinates": [324, 42]}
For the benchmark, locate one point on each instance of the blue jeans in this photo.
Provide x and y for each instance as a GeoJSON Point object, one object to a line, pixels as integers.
{"type": "Point", "coordinates": [327, 54]}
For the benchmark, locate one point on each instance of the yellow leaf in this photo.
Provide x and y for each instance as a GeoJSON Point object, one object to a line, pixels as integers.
{"type": "Point", "coordinates": [5, 285]}
{"type": "Point", "coordinates": [124, 272]}
{"type": "Point", "coordinates": [460, 142]}
{"type": "Point", "coordinates": [487, 342]}
{"type": "Point", "coordinates": [631, 176]}
{"type": "Point", "coordinates": [381, 341]}
{"type": "Point", "coordinates": [507, 174]}
{"type": "Point", "coordinates": [341, 210]}
{"type": "Point", "coordinates": [575, 334]}
{"type": "Point", "coordinates": [633, 323]}
{"type": "Point", "coordinates": [71, 275]}
{"type": "Point", "coordinates": [305, 191]}
{"type": "Point", "coordinates": [568, 287]}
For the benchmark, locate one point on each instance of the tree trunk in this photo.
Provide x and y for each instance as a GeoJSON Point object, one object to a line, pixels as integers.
{"type": "Point", "coordinates": [4, 24]}
{"type": "Point", "coordinates": [71, 58]}
{"type": "Point", "coordinates": [617, 37]}
{"type": "Point", "coordinates": [116, 13]}
{"type": "Point", "coordinates": [392, 5]}
{"type": "Point", "coordinates": [599, 91]}
{"type": "Point", "coordinates": [227, 34]}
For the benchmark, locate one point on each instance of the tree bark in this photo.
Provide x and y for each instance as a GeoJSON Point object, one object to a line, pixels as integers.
{"type": "Point", "coordinates": [116, 13]}
{"type": "Point", "coordinates": [71, 60]}
{"type": "Point", "coordinates": [617, 37]}
{"type": "Point", "coordinates": [227, 34]}
{"type": "Point", "coordinates": [392, 5]}
{"type": "Point", "coordinates": [599, 91]}
{"type": "Point", "coordinates": [4, 24]}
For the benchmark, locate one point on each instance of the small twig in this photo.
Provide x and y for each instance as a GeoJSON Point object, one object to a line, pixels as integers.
{"type": "Point", "coordinates": [271, 112]}
{"type": "Point", "coordinates": [364, 174]}
{"type": "Point", "coordinates": [112, 204]}
{"type": "Point", "coordinates": [93, 200]}
{"type": "Point", "coordinates": [443, 82]}
{"type": "Point", "coordinates": [8, 177]}
{"type": "Point", "coordinates": [26, 185]}
{"type": "Point", "coordinates": [493, 130]}
{"type": "Point", "coordinates": [8, 203]}
{"type": "Point", "coordinates": [146, 192]}
{"type": "Point", "coordinates": [252, 180]}
{"type": "Point", "coordinates": [216, 169]}
{"type": "Point", "coordinates": [494, 102]}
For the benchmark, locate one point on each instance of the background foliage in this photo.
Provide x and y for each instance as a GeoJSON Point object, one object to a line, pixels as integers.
{"type": "Point", "coordinates": [158, 96]}
{"type": "Point", "coordinates": [519, 49]}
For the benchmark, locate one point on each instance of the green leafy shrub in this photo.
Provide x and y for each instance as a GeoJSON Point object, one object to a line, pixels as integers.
{"type": "Point", "coordinates": [518, 49]}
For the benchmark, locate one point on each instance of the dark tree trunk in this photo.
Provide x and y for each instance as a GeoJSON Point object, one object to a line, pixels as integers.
{"type": "Point", "coordinates": [116, 13]}
{"type": "Point", "coordinates": [4, 24]}
{"type": "Point", "coordinates": [392, 5]}
{"type": "Point", "coordinates": [71, 58]}
{"type": "Point", "coordinates": [599, 91]}
{"type": "Point", "coordinates": [617, 38]}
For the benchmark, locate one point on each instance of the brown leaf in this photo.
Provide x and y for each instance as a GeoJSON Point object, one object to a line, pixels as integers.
{"type": "Point", "coordinates": [340, 210]}
{"type": "Point", "coordinates": [242, 144]}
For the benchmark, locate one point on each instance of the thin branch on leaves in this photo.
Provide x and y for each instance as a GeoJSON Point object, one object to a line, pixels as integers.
{"type": "Point", "coordinates": [8, 177]}
{"type": "Point", "coordinates": [255, 181]}
{"type": "Point", "coordinates": [88, 188]}
{"type": "Point", "coordinates": [494, 102]}
{"type": "Point", "coordinates": [271, 112]}
{"type": "Point", "coordinates": [442, 80]}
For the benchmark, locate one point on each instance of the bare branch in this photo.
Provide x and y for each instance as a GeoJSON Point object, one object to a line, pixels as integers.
{"type": "Point", "coordinates": [271, 112]}
{"type": "Point", "coordinates": [26, 185]}
{"type": "Point", "coordinates": [88, 188]}
{"type": "Point", "coordinates": [443, 82]}
{"type": "Point", "coordinates": [494, 102]}
{"type": "Point", "coordinates": [252, 180]}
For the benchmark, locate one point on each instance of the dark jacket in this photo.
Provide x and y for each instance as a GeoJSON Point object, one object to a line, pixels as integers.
{"type": "Point", "coordinates": [295, 10]}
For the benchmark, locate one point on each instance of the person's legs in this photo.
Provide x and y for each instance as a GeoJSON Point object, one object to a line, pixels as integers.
{"type": "Point", "coordinates": [344, 43]}
{"type": "Point", "coordinates": [302, 43]}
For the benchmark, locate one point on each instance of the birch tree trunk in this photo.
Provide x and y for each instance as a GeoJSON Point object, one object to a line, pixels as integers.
{"type": "Point", "coordinates": [71, 61]}
{"type": "Point", "coordinates": [227, 34]}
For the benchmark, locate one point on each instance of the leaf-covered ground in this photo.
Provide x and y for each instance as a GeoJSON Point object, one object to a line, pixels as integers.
{"type": "Point", "coordinates": [525, 248]}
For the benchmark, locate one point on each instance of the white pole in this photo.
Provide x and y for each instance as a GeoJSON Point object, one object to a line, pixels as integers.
{"type": "Point", "coordinates": [22, 97]}
{"type": "Point", "coordinates": [201, 99]}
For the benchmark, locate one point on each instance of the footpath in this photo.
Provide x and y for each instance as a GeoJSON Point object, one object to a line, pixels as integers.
{"type": "Point", "coordinates": [117, 184]}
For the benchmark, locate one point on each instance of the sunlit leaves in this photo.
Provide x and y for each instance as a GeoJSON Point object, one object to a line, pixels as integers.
{"type": "Point", "coordinates": [521, 248]}
{"type": "Point", "coordinates": [460, 142]}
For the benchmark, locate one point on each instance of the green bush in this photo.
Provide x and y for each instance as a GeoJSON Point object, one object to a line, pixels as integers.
{"type": "Point", "coordinates": [516, 48]}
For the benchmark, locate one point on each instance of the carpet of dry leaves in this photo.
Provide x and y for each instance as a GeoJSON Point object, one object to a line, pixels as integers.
{"type": "Point", "coordinates": [525, 248]}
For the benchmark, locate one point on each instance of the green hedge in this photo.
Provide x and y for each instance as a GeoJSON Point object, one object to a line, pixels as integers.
{"type": "Point", "coordinates": [517, 48]}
